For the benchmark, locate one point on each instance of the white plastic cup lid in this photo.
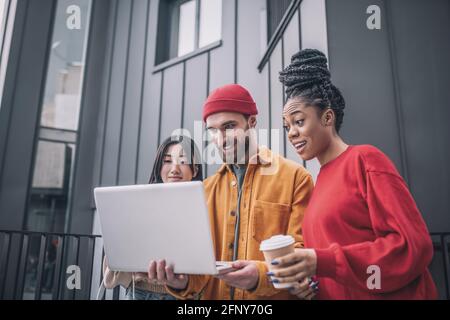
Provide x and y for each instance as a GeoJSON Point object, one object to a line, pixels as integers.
{"type": "Point", "coordinates": [276, 242]}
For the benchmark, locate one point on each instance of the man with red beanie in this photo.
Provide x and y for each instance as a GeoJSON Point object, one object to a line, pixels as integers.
{"type": "Point", "coordinates": [253, 196]}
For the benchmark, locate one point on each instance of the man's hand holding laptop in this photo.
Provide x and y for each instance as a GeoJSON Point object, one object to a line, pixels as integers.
{"type": "Point", "coordinates": [244, 275]}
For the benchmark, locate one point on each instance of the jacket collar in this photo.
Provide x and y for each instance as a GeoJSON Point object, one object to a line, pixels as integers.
{"type": "Point", "coordinates": [263, 157]}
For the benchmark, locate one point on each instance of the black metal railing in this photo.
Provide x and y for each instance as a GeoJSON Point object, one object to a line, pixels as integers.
{"type": "Point", "coordinates": [441, 247]}
{"type": "Point", "coordinates": [33, 265]}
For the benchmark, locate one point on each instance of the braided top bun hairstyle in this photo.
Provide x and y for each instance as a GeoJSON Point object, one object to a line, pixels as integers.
{"type": "Point", "coordinates": [308, 78]}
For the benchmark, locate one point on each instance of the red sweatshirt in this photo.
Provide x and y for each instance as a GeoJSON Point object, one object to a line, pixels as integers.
{"type": "Point", "coordinates": [362, 214]}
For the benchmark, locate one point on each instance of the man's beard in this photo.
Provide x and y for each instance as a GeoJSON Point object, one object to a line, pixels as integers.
{"type": "Point", "coordinates": [239, 154]}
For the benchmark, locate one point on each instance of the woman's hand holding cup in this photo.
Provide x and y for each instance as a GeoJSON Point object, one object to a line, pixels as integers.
{"type": "Point", "coordinates": [294, 267]}
{"type": "Point", "coordinates": [290, 268]}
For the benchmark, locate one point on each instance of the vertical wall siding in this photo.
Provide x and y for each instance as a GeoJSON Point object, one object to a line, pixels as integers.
{"type": "Point", "coordinates": [397, 91]}
{"type": "Point", "coordinates": [249, 53]}
{"type": "Point", "coordinates": [314, 34]}
{"type": "Point", "coordinates": [421, 63]}
{"type": "Point", "coordinates": [29, 49]}
{"type": "Point", "coordinates": [291, 45]}
{"type": "Point", "coordinates": [132, 102]}
{"type": "Point", "coordinates": [196, 90]}
{"type": "Point", "coordinates": [80, 206]}
{"type": "Point", "coordinates": [369, 91]}
{"type": "Point", "coordinates": [142, 107]}
{"type": "Point", "coordinates": [150, 103]}
{"type": "Point", "coordinates": [221, 67]}
{"type": "Point", "coordinates": [116, 92]}
{"type": "Point", "coordinates": [172, 100]}
{"type": "Point", "coordinates": [276, 99]}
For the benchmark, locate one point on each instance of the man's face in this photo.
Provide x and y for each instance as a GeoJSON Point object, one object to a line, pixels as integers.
{"type": "Point", "coordinates": [229, 132]}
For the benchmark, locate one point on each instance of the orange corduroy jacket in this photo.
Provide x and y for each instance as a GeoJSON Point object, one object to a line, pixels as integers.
{"type": "Point", "coordinates": [275, 193]}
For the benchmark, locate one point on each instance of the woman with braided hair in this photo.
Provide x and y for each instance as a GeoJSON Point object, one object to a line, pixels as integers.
{"type": "Point", "coordinates": [364, 234]}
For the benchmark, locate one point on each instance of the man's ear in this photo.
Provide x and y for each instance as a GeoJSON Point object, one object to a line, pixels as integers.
{"type": "Point", "coordinates": [252, 121]}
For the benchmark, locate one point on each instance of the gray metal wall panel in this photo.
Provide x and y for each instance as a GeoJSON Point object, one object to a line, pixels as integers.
{"type": "Point", "coordinates": [149, 127]}
{"type": "Point", "coordinates": [222, 66]}
{"type": "Point", "coordinates": [196, 81]}
{"type": "Point", "coordinates": [195, 93]}
{"type": "Point", "coordinates": [10, 78]}
{"type": "Point", "coordinates": [132, 99]}
{"type": "Point", "coordinates": [222, 70]}
{"type": "Point", "coordinates": [360, 65]}
{"type": "Point", "coordinates": [291, 45]}
{"type": "Point", "coordinates": [397, 94]}
{"type": "Point", "coordinates": [249, 53]}
{"type": "Point", "coordinates": [171, 101]}
{"type": "Point", "coordinates": [313, 27]}
{"type": "Point", "coordinates": [277, 97]}
{"type": "Point", "coordinates": [81, 202]}
{"type": "Point", "coordinates": [421, 58]}
{"type": "Point", "coordinates": [264, 108]}
{"type": "Point", "coordinates": [26, 103]}
{"type": "Point", "coordinates": [149, 120]}
{"type": "Point", "coordinates": [116, 94]}
{"type": "Point", "coordinates": [104, 104]}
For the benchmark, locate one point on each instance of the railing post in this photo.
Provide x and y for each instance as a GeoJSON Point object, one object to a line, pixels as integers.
{"type": "Point", "coordinates": [74, 292]}
{"type": "Point", "coordinates": [58, 268]}
{"type": "Point", "coordinates": [4, 262]}
{"type": "Point", "coordinates": [90, 254]}
{"type": "Point", "coordinates": [446, 265]}
{"type": "Point", "coordinates": [41, 264]}
{"type": "Point", "coordinates": [20, 278]}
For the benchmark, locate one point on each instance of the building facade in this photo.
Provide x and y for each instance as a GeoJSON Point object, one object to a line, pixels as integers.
{"type": "Point", "coordinates": [91, 87]}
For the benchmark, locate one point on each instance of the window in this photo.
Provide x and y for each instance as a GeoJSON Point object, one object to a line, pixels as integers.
{"type": "Point", "coordinates": [275, 12]}
{"type": "Point", "coordinates": [48, 208]}
{"type": "Point", "coordinates": [7, 13]}
{"type": "Point", "coordinates": [49, 196]}
{"type": "Point", "coordinates": [210, 21]}
{"type": "Point", "coordinates": [185, 26]}
{"type": "Point", "coordinates": [4, 4]}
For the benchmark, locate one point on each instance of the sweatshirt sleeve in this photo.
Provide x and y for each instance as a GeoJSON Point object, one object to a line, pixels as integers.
{"type": "Point", "coordinates": [401, 249]}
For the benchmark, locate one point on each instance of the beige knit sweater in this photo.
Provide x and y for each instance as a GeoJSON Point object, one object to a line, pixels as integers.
{"type": "Point", "coordinates": [111, 279]}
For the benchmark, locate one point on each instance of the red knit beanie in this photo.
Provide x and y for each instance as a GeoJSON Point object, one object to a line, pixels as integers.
{"type": "Point", "coordinates": [229, 98]}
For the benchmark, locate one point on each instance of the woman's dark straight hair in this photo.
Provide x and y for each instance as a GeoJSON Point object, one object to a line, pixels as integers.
{"type": "Point", "coordinates": [192, 154]}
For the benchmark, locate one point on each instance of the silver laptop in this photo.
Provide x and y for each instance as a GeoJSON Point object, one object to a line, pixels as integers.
{"type": "Point", "coordinates": [158, 221]}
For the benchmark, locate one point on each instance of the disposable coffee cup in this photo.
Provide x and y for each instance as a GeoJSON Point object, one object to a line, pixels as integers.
{"type": "Point", "coordinates": [274, 247]}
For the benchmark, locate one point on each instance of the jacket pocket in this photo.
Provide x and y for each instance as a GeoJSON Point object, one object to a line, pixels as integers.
{"type": "Point", "coordinates": [269, 219]}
